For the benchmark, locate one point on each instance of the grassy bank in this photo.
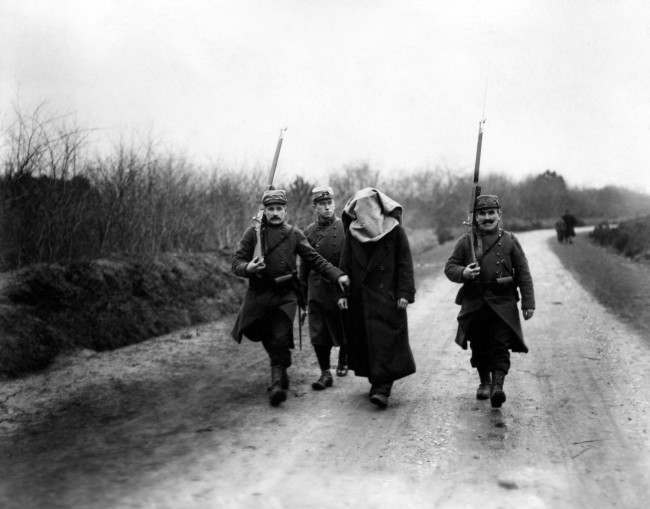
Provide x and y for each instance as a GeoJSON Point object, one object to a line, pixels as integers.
{"type": "Point", "coordinates": [631, 238]}
{"type": "Point", "coordinates": [105, 304]}
{"type": "Point", "coordinates": [618, 283]}
{"type": "Point", "coordinates": [49, 308]}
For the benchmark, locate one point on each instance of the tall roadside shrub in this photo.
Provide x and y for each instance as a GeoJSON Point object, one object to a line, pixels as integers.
{"type": "Point", "coordinates": [57, 204]}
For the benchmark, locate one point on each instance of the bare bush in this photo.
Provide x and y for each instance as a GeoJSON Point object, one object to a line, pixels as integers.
{"type": "Point", "coordinates": [57, 205]}
{"type": "Point", "coordinates": [299, 198]}
{"type": "Point", "coordinates": [45, 198]}
{"type": "Point", "coordinates": [134, 201]}
{"type": "Point", "coordinates": [352, 178]}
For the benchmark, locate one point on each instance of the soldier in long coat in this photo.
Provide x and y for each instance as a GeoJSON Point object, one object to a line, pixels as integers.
{"type": "Point", "coordinates": [269, 307]}
{"type": "Point", "coordinates": [377, 257]}
{"type": "Point", "coordinates": [571, 222]}
{"type": "Point", "coordinates": [488, 318]}
{"type": "Point", "coordinates": [325, 324]}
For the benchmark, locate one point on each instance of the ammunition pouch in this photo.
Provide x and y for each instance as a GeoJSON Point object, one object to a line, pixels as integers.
{"type": "Point", "coordinates": [281, 284]}
{"type": "Point", "coordinates": [284, 282]}
{"type": "Point", "coordinates": [501, 286]}
{"type": "Point", "coordinates": [505, 280]}
{"type": "Point", "coordinates": [288, 282]}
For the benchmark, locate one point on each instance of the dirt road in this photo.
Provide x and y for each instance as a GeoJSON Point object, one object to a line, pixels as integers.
{"type": "Point", "coordinates": [183, 420]}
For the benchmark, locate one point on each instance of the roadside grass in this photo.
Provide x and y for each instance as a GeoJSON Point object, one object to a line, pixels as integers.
{"type": "Point", "coordinates": [617, 282]}
{"type": "Point", "coordinates": [430, 261]}
{"type": "Point", "coordinates": [46, 309]}
{"type": "Point", "coordinates": [631, 238]}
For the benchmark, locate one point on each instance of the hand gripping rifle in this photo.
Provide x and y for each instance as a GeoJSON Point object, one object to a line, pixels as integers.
{"type": "Point", "coordinates": [257, 220]}
{"type": "Point", "coordinates": [476, 190]}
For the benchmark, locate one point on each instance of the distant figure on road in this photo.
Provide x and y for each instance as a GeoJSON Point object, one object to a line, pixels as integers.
{"type": "Point", "coordinates": [570, 222]}
{"type": "Point", "coordinates": [269, 306]}
{"type": "Point", "coordinates": [560, 230]}
{"type": "Point", "coordinates": [488, 316]}
{"type": "Point", "coordinates": [377, 257]}
{"type": "Point", "coordinates": [326, 236]}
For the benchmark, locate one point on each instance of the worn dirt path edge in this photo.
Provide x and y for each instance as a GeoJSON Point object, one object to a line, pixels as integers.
{"type": "Point", "coordinates": [178, 422]}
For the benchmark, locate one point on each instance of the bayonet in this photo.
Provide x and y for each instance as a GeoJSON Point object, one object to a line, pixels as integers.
{"type": "Point", "coordinates": [257, 220]}
{"type": "Point", "coordinates": [476, 190]}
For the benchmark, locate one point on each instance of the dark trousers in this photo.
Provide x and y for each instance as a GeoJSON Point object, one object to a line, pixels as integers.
{"type": "Point", "coordinates": [383, 388]}
{"type": "Point", "coordinates": [490, 339]}
{"type": "Point", "coordinates": [278, 341]}
{"type": "Point", "coordinates": [323, 355]}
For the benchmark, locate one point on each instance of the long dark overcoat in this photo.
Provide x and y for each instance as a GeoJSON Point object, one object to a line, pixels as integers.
{"type": "Point", "coordinates": [377, 331]}
{"type": "Point", "coordinates": [570, 221]}
{"type": "Point", "coordinates": [325, 322]}
{"type": "Point", "coordinates": [280, 246]}
{"type": "Point", "coordinates": [505, 257]}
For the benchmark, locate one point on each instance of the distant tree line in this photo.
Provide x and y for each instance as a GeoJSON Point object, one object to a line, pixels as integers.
{"type": "Point", "coordinates": [59, 204]}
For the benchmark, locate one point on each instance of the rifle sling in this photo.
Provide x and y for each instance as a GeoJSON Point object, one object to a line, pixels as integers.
{"type": "Point", "coordinates": [284, 237]}
{"type": "Point", "coordinates": [490, 246]}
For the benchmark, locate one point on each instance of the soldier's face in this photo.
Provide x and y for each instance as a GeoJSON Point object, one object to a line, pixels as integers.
{"type": "Point", "coordinates": [488, 219]}
{"type": "Point", "coordinates": [325, 208]}
{"type": "Point", "coordinates": [275, 213]}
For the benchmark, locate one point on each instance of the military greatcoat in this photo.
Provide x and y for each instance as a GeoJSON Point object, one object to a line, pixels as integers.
{"type": "Point", "coordinates": [380, 272]}
{"type": "Point", "coordinates": [280, 245]}
{"type": "Point", "coordinates": [325, 324]}
{"type": "Point", "coordinates": [502, 256]}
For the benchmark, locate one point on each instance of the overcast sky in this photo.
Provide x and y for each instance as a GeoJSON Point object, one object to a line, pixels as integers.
{"type": "Point", "coordinates": [399, 84]}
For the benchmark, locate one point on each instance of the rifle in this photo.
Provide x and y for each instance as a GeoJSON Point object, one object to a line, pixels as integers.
{"type": "Point", "coordinates": [257, 219]}
{"type": "Point", "coordinates": [302, 306]}
{"type": "Point", "coordinates": [476, 191]}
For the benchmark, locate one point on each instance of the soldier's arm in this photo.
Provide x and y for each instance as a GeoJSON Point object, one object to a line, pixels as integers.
{"type": "Point", "coordinates": [303, 275]}
{"type": "Point", "coordinates": [457, 261]}
{"type": "Point", "coordinates": [344, 259]}
{"type": "Point", "coordinates": [244, 253]}
{"type": "Point", "coordinates": [315, 261]}
{"type": "Point", "coordinates": [303, 271]}
{"type": "Point", "coordinates": [405, 279]}
{"type": "Point", "coordinates": [522, 276]}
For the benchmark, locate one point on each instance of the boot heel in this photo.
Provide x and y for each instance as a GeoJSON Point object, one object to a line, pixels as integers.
{"type": "Point", "coordinates": [485, 387]}
{"type": "Point", "coordinates": [497, 396]}
{"type": "Point", "coordinates": [276, 391]}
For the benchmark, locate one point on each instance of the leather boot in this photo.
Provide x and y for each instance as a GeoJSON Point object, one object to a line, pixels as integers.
{"type": "Point", "coordinates": [342, 367]}
{"type": "Point", "coordinates": [324, 381]}
{"type": "Point", "coordinates": [484, 388]}
{"type": "Point", "coordinates": [497, 396]}
{"type": "Point", "coordinates": [284, 382]}
{"type": "Point", "coordinates": [379, 394]}
{"type": "Point", "coordinates": [276, 392]}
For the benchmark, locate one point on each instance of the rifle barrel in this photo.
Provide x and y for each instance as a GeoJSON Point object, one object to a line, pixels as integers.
{"type": "Point", "coordinates": [276, 156]}
{"type": "Point", "coordinates": [475, 190]}
{"type": "Point", "coordinates": [477, 162]}
{"type": "Point", "coordinates": [257, 220]}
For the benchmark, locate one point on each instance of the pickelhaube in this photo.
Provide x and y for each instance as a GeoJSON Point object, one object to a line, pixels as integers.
{"type": "Point", "coordinates": [274, 196]}
{"type": "Point", "coordinates": [319, 193]}
{"type": "Point", "coordinates": [487, 201]}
